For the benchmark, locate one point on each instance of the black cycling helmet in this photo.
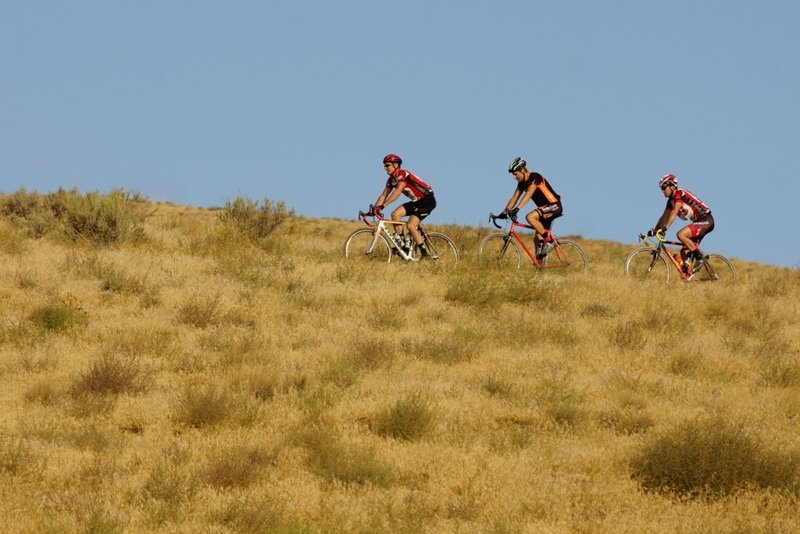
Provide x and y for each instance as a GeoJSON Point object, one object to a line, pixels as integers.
{"type": "Point", "coordinates": [516, 165]}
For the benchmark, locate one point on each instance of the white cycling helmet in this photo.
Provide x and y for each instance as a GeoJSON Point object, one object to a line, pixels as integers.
{"type": "Point", "coordinates": [516, 165]}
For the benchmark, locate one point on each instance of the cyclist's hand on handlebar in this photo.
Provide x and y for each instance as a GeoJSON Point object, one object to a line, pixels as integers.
{"type": "Point", "coordinates": [503, 215]}
{"type": "Point", "coordinates": [651, 232]}
{"type": "Point", "coordinates": [513, 214]}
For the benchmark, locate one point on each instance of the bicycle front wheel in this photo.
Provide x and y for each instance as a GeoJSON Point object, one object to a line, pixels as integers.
{"type": "Point", "coordinates": [442, 248]}
{"type": "Point", "coordinates": [365, 246]}
{"type": "Point", "coordinates": [500, 250]}
{"type": "Point", "coordinates": [568, 256]}
{"type": "Point", "coordinates": [647, 264]}
{"type": "Point", "coordinates": [716, 268]}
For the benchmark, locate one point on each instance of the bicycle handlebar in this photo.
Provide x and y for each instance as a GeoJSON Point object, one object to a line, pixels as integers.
{"type": "Point", "coordinates": [493, 218]}
{"type": "Point", "coordinates": [659, 236]}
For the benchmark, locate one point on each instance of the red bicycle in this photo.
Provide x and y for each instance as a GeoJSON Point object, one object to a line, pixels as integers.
{"type": "Point", "coordinates": [650, 263]}
{"type": "Point", "coordinates": [505, 249]}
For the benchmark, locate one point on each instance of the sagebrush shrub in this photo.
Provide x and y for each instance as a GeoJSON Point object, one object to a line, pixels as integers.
{"type": "Point", "coordinates": [200, 311]}
{"type": "Point", "coordinates": [252, 220]}
{"type": "Point", "coordinates": [236, 467]}
{"type": "Point", "coordinates": [202, 405]}
{"type": "Point", "coordinates": [712, 458]}
{"type": "Point", "coordinates": [408, 419]}
{"type": "Point", "coordinates": [112, 374]}
{"type": "Point", "coordinates": [334, 461]}
{"type": "Point", "coordinates": [57, 317]}
{"type": "Point", "coordinates": [101, 219]}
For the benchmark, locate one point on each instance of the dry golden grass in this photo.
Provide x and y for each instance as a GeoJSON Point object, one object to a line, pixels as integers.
{"type": "Point", "coordinates": [199, 380]}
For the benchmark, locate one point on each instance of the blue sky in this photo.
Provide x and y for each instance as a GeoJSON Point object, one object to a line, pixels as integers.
{"type": "Point", "coordinates": [199, 102]}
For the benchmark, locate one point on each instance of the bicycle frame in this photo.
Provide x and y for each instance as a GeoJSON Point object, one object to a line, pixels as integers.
{"type": "Point", "coordinates": [380, 227]}
{"type": "Point", "coordinates": [660, 248]}
{"type": "Point", "coordinates": [512, 232]}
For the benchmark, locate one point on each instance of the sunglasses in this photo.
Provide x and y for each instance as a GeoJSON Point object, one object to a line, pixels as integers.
{"type": "Point", "coordinates": [387, 165]}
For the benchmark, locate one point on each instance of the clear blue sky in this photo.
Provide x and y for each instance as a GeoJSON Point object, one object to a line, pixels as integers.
{"type": "Point", "coordinates": [197, 102]}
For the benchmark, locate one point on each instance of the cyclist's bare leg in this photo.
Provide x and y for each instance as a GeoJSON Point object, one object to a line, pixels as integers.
{"type": "Point", "coordinates": [689, 246]}
{"type": "Point", "coordinates": [413, 227]}
{"type": "Point", "coordinates": [397, 216]}
{"type": "Point", "coordinates": [533, 220]}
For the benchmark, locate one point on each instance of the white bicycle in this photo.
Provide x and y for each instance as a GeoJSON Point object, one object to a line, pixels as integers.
{"type": "Point", "coordinates": [375, 243]}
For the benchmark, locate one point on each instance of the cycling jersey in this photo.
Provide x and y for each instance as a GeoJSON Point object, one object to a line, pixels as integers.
{"type": "Point", "coordinates": [692, 209]}
{"type": "Point", "coordinates": [543, 193]}
{"type": "Point", "coordinates": [415, 188]}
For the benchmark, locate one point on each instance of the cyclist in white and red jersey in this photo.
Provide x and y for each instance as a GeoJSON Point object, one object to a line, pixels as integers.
{"type": "Point", "coordinates": [421, 203]}
{"type": "Point", "coordinates": [681, 203]}
{"type": "Point", "coordinates": [534, 186]}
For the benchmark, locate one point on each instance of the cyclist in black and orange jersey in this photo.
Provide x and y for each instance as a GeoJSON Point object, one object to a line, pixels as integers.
{"type": "Point", "coordinates": [681, 203]}
{"type": "Point", "coordinates": [422, 201]}
{"type": "Point", "coordinates": [534, 186]}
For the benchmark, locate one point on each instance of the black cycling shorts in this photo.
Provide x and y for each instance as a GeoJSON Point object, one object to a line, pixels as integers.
{"type": "Point", "coordinates": [548, 213]}
{"type": "Point", "coordinates": [420, 208]}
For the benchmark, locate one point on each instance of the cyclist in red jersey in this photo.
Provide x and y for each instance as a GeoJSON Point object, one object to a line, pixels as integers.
{"type": "Point", "coordinates": [681, 203]}
{"type": "Point", "coordinates": [421, 203]}
{"type": "Point", "coordinates": [534, 186]}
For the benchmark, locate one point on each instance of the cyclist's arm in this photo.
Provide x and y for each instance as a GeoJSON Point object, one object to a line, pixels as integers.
{"type": "Point", "coordinates": [513, 200]}
{"type": "Point", "coordinates": [396, 193]}
{"type": "Point", "coordinates": [381, 201]}
{"type": "Point", "coordinates": [669, 215]}
{"type": "Point", "coordinates": [527, 196]}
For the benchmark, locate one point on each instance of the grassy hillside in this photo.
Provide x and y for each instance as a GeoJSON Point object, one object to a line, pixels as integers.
{"type": "Point", "coordinates": [184, 374]}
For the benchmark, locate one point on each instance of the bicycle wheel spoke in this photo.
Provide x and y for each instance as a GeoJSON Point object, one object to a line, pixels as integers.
{"type": "Point", "coordinates": [567, 256]}
{"type": "Point", "coordinates": [645, 264]}
{"type": "Point", "coordinates": [442, 249]}
{"type": "Point", "coordinates": [364, 246]}
{"type": "Point", "coordinates": [499, 250]}
{"type": "Point", "coordinates": [716, 268]}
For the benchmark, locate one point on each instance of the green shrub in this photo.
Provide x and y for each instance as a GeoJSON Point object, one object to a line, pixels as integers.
{"type": "Point", "coordinates": [236, 467]}
{"type": "Point", "coordinates": [30, 212]}
{"type": "Point", "coordinates": [336, 462]}
{"type": "Point", "coordinates": [202, 405]}
{"type": "Point", "coordinates": [712, 458]}
{"type": "Point", "coordinates": [170, 480]}
{"type": "Point", "coordinates": [112, 374]}
{"type": "Point", "coordinates": [57, 317]}
{"type": "Point", "coordinates": [408, 419]}
{"type": "Point", "coordinates": [200, 311]}
{"type": "Point", "coordinates": [101, 219]}
{"type": "Point", "coordinates": [252, 220]}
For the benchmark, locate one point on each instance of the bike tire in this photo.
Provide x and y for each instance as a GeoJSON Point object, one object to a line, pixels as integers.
{"type": "Point", "coordinates": [567, 256]}
{"type": "Point", "coordinates": [364, 246]}
{"type": "Point", "coordinates": [716, 268]}
{"type": "Point", "coordinates": [642, 264]}
{"type": "Point", "coordinates": [499, 250]}
{"type": "Point", "coordinates": [442, 248]}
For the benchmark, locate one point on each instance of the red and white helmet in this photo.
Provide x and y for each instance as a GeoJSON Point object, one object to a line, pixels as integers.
{"type": "Point", "coordinates": [667, 180]}
{"type": "Point", "coordinates": [393, 158]}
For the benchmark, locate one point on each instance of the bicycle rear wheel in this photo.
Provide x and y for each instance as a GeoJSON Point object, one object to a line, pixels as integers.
{"type": "Point", "coordinates": [647, 264]}
{"type": "Point", "coordinates": [499, 250]}
{"type": "Point", "coordinates": [716, 268]}
{"type": "Point", "coordinates": [567, 256]}
{"type": "Point", "coordinates": [442, 248]}
{"type": "Point", "coordinates": [365, 246]}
